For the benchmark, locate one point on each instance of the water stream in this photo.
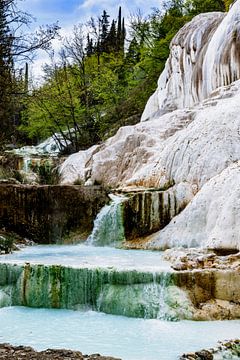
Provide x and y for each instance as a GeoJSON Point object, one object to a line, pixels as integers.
{"type": "Point", "coordinates": [108, 227]}
{"type": "Point", "coordinates": [127, 338]}
{"type": "Point", "coordinates": [121, 282]}
{"type": "Point", "coordinates": [88, 256]}
{"type": "Point", "coordinates": [102, 283]}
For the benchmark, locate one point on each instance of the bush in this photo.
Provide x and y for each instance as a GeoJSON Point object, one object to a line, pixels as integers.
{"type": "Point", "coordinates": [6, 243]}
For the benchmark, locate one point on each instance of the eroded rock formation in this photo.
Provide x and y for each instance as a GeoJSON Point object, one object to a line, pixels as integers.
{"type": "Point", "coordinates": [49, 213]}
{"type": "Point", "coordinates": [225, 350]}
{"type": "Point", "coordinates": [199, 294]}
{"type": "Point", "coordinates": [204, 56]}
{"type": "Point", "coordinates": [211, 219]}
{"type": "Point", "coordinates": [194, 149]}
{"type": "Point", "coordinates": [9, 352]}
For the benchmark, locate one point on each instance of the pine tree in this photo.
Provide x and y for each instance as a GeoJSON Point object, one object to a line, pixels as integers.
{"type": "Point", "coordinates": [123, 35]}
{"type": "Point", "coordinates": [119, 29]}
{"type": "Point", "coordinates": [89, 48]}
{"type": "Point", "coordinates": [15, 45]}
{"type": "Point", "coordinates": [134, 52]}
{"type": "Point", "coordinates": [104, 31]}
{"type": "Point", "coordinates": [112, 37]}
{"type": "Point", "coordinates": [6, 68]}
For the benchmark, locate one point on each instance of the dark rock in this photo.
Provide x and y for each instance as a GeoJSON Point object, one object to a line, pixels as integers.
{"type": "Point", "coordinates": [9, 352]}
{"type": "Point", "coordinates": [47, 213]}
{"type": "Point", "coordinates": [204, 355]}
{"type": "Point", "coordinates": [148, 211]}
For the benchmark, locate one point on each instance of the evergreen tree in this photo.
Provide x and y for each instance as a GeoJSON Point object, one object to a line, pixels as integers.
{"type": "Point", "coordinates": [134, 52]}
{"type": "Point", "coordinates": [15, 45]}
{"type": "Point", "coordinates": [104, 31]}
{"type": "Point", "coordinates": [89, 48]}
{"type": "Point", "coordinates": [123, 35]}
{"type": "Point", "coordinates": [112, 37]}
{"type": "Point", "coordinates": [6, 68]}
{"type": "Point", "coordinates": [119, 30]}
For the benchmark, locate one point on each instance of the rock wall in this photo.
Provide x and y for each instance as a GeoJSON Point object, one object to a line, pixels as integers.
{"type": "Point", "coordinates": [210, 220]}
{"type": "Point", "coordinates": [146, 212]}
{"type": "Point", "coordinates": [213, 293]}
{"type": "Point", "coordinates": [47, 214]}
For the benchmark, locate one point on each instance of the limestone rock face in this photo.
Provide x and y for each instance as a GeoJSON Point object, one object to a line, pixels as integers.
{"type": "Point", "coordinates": [191, 141]}
{"type": "Point", "coordinates": [49, 214]}
{"type": "Point", "coordinates": [184, 146]}
{"type": "Point", "coordinates": [204, 56]}
{"type": "Point", "coordinates": [211, 219]}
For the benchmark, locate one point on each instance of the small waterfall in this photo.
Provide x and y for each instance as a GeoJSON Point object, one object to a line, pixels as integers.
{"type": "Point", "coordinates": [155, 297]}
{"type": "Point", "coordinates": [26, 166]}
{"type": "Point", "coordinates": [108, 227]}
{"type": "Point", "coordinates": [5, 297]}
{"type": "Point", "coordinates": [120, 292]}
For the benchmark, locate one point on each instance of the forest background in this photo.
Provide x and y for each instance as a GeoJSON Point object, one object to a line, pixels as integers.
{"type": "Point", "coordinates": [100, 80]}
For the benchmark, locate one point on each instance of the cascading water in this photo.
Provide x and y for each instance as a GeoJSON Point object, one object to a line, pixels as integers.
{"type": "Point", "coordinates": [122, 282]}
{"type": "Point", "coordinates": [26, 164]}
{"type": "Point", "coordinates": [108, 227]}
{"type": "Point", "coordinates": [140, 291]}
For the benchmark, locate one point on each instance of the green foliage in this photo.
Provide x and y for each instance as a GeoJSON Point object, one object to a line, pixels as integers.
{"type": "Point", "coordinates": [78, 181]}
{"type": "Point", "coordinates": [48, 175]}
{"type": "Point", "coordinates": [9, 173]}
{"type": "Point", "coordinates": [195, 7]}
{"type": "Point", "coordinates": [47, 172]}
{"type": "Point", "coordinates": [227, 4]}
{"type": "Point", "coordinates": [6, 243]}
{"type": "Point", "coordinates": [16, 45]}
{"type": "Point", "coordinates": [98, 85]}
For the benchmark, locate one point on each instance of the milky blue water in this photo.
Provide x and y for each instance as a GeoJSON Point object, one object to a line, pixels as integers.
{"type": "Point", "coordinates": [93, 332]}
{"type": "Point", "coordinates": [127, 338]}
{"type": "Point", "coordinates": [88, 256]}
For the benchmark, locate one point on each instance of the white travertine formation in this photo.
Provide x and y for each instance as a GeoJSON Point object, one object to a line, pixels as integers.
{"type": "Point", "coordinates": [50, 147]}
{"type": "Point", "coordinates": [211, 219]}
{"type": "Point", "coordinates": [182, 146]}
{"type": "Point", "coordinates": [204, 56]}
{"type": "Point", "coordinates": [194, 147]}
{"type": "Point", "coordinates": [124, 159]}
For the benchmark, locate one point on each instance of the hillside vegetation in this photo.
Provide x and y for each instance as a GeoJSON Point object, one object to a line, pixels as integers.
{"type": "Point", "coordinates": [102, 81]}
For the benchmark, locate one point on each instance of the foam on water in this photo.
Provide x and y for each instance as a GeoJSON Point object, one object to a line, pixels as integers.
{"type": "Point", "coordinates": [127, 338]}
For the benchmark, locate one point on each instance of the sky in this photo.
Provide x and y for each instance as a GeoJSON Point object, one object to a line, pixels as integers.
{"type": "Point", "coordinates": [71, 12]}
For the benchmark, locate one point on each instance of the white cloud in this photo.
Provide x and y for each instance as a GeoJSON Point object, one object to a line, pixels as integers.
{"type": "Point", "coordinates": [81, 14]}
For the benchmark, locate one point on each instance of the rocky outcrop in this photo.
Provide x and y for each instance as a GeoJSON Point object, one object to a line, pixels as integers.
{"type": "Point", "coordinates": [172, 149]}
{"type": "Point", "coordinates": [145, 212]}
{"type": "Point", "coordinates": [175, 149]}
{"type": "Point", "coordinates": [9, 352]}
{"type": "Point", "coordinates": [195, 147]}
{"type": "Point", "coordinates": [48, 214]}
{"type": "Point", "coordinates": [210, 220]}
{"type": "Point", "coordinates": [193, 259]}
{"type": "Point", "coordinates": [204, 56]}
{"type": "Point", "coordinates": [225, 350]}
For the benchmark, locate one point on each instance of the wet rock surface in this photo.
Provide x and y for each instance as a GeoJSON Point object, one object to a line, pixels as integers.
{"type": "Point", "coordinates": [191, 259]}
{"type": "Point", "coordinates": [225, 350]}
{"type": "Point", "coordinates": [10, 352]}
{"type": "Point", "coordinates": [211, 278]}
{"type": "Point", "coordinates": [48, 213]}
